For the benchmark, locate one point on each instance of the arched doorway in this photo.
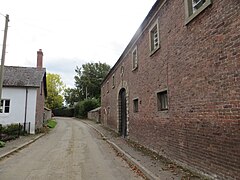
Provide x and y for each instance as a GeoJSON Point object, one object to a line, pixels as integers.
{"type": "Point", "coordinates": [122, 113]}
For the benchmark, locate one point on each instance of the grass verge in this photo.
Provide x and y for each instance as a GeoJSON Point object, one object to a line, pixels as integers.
{"type": "Point", "coordinates": [51, 123]}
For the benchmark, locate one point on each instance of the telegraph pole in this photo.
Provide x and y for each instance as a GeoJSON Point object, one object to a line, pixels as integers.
{"type": "Point", "coordinates": [3, 54]}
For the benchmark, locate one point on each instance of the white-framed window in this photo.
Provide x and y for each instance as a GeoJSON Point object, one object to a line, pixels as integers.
{"type": "Point", "coordinates": [5, 106]}
{"type": "Point", "coordinates": [195, 7]}
{"type": "Point", "coordinates": [134, 59]}
{"type": "Point", "coordinates": [154, 38]}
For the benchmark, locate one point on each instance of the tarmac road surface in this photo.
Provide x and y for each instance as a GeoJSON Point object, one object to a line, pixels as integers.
{"type": "Point", "coordinates": [71, 151]}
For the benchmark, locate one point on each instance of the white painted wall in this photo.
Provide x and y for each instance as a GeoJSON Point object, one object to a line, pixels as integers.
{"type": "Point", "coordinates": [17, 98]}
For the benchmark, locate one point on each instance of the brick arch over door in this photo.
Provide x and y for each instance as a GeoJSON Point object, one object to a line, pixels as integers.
{"type": "Point", "coordinates": [123, 88]}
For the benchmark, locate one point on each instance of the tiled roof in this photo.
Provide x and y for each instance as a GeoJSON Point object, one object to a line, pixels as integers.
{"type": "Point", "coordinates": [23, 76]}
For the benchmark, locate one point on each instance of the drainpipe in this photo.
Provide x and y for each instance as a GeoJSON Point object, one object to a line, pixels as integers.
{"type": "Point", "coordinates": [25, 114]}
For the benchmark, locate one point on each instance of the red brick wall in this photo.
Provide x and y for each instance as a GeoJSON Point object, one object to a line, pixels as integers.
{"type": "Point", "coordinates": [199, 65]}
{"type": "Point", "coordinates": [40, 107]}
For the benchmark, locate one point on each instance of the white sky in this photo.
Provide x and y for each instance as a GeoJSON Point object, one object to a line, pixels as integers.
{"type": "Point", "coordinates": [69, 32]}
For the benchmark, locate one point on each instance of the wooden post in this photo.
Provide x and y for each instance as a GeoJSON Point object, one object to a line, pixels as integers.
{"type": "Point", "coordinates": [3, 54]}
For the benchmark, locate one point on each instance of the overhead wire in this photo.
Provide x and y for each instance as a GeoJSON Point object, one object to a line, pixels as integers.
{"type": "Point", "coordinates": [2, 14]}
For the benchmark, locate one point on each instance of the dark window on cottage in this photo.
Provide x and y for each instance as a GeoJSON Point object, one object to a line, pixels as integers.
{"type": "Point", "coordinates": [135, 105]}
{"type": "Point", "coordinates": [1, 107]}
{"type": "Point", "coordinates": [154, 38]}
{"type": "Point", "coordinates": [162, 99]}
{"type": "Point", "coordinates": [134, 59]}
{"type": "Point", "coordinates": [194, 7]}
{"type": "Point", "coordinates": [5, 106]}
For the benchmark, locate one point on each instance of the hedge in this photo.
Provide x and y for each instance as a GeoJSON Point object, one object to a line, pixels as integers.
{"type": "Point", "coordinates": [83, 107]}
{"type": "Point", "coordinates": [65, 112]}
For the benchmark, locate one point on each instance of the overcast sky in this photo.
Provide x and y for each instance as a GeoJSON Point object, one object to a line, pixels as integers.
{"type": "Point", "coordinates": [69, 32]}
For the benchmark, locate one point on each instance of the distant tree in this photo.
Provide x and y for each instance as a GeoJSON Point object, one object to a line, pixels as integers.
{"type": "Point", "coordinates": [55, 88]}
{"type": "Point", "coordinates": [72, 96]}
{"type": "Point", "coordinates": [83, 107]}
{"type": "Point", "coordinates": [89, 77]}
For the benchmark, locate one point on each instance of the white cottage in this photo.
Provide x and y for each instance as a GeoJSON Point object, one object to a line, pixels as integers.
{"type": "Point", "coordinates": [23, 95]}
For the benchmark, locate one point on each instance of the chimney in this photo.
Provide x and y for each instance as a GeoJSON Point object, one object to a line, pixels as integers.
{"type": "Point", "coordinates": [39, 59]}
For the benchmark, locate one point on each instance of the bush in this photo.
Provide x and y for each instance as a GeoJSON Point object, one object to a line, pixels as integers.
{"type": "Point", "coordinates": [83, 107]}
{"type": "Point", "coordinates": [12, 129]}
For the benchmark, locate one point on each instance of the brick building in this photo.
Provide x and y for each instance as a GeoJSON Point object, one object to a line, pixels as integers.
{"type": "Point", "coordinates": [176, 87]}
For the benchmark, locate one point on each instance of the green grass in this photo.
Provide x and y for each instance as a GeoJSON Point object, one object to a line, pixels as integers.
{"type": "Point", "coordinates": [2, 144]}
{"type": "Point", "coordinates": [51, 123]}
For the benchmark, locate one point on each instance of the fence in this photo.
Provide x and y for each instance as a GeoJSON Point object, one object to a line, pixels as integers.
{"type": "Point", "coordinates": [13, 131]}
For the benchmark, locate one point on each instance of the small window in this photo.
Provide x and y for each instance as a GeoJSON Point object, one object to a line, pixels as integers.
{"type": "Point", "coordinates": [154, 38]}
{"type": "Point", "coordinates": [5, 106]}
{"type": "Point", "coordinates": [162, 103]}
{"type": "Point", "coordinates": [113, 81]}
{"type": "Point", "coordinates": [134, 59]}
{"type": "Point", "coordinates": [194, 7]}
{"type": "Point", "coordinates": [135, 105]}
{"type": "Point", "coordinates": [107, 86]}
{"type": "Point", "coordinates": [122, 71]}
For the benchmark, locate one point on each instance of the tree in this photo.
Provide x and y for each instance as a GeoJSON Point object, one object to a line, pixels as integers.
{"type": "Point", "coordinates": [55, 88]}
{"type": "Point", "coordinates": [72, 96]}
{"type": "Point", "coordinates": [83, 107]}
{"type": "Point", "coordinates": [89, 77]}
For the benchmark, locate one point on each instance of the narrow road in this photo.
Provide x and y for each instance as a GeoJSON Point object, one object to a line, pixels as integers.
{"type": "Point", "coordinates": [71, 151]}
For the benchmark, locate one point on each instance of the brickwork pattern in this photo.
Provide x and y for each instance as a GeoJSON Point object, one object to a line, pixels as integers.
{"type": "Point", "coordinates": [40, 108]}
{"type": "Point", "coordinates": [199, 65]}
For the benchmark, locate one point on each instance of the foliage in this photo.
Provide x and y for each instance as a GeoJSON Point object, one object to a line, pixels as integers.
{"type": "Point", "coordinates": [51, 123]}
{"type": "Point", "coordinates": [55, 87]}
{"type": "Point", "coordinates": [89, 77]}
{"type": "Point", "coordinates": [2, 144]}
{"type": "Point", "coordinates": [82, 108]}
{"type": "Point", "coordinates": [72, 96]}
{"type": "Point", "coordinates": [11, 129]}
{"type": "Point", "coordinates": [65, 112]}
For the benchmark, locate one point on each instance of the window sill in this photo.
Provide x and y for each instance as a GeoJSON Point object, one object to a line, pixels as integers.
{"type": "Point", "coordinates": [4, 114]}
{"type": "Point", "coordinates": [163, 113]}
{"type": "Point", "coordinates": [195, 14]}
{"type": "Point", "coordinates": [135, 68]}
{"type": "Point", "coordinates": [154, 51]}
{"type": "Point", "coordinates": [163, 110]}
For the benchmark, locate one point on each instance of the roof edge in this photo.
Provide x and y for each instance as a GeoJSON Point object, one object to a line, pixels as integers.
{"type": "Point", "coordinates": [137, 34]}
